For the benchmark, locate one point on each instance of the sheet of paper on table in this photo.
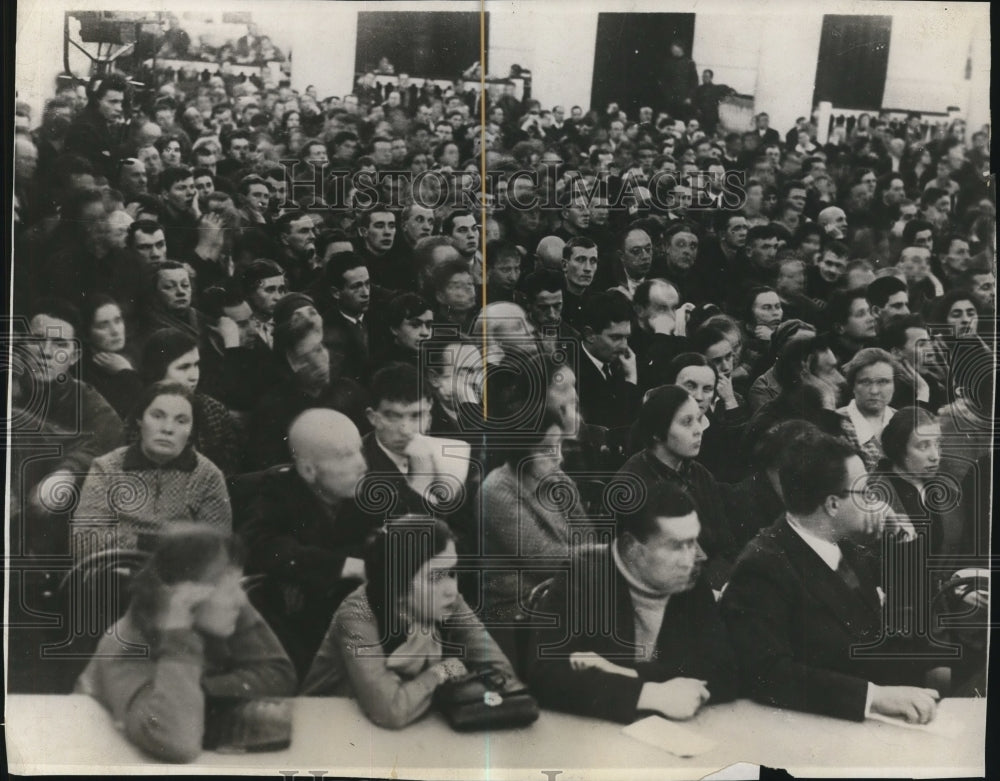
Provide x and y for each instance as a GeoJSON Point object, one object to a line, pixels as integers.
{"type": "Point", "coordinates": [663, 733]}
{"type": "Point", "coordinates": [947, 721]}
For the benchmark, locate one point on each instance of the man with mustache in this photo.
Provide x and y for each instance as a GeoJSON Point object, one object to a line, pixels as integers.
{"type": "Point", "coordinates": [670, 651]}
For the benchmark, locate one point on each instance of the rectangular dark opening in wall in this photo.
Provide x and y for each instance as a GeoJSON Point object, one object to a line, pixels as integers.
{"type": "Point", "coordinates": [431, 44]}
{"type": "Point", "coordinates": [853, 60]}
{"type": "Point", "coordinates": [630, 53]}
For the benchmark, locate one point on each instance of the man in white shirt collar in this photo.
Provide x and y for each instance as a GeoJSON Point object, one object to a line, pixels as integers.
{"type": "Point", "coordinates": [796, 627]}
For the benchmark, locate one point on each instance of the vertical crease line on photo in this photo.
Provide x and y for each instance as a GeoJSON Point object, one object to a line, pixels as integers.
{"type": "Point", "coordinates": [482, 187]}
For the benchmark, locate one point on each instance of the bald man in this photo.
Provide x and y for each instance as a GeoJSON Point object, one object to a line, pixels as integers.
{"type": "Point", "coordinates": [549, 253]}
{"type": "Point", "coordinates": [305, 531]}
{"type": "Point", "coordinates": [833, 221]}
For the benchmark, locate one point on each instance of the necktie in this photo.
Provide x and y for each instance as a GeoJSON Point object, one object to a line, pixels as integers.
{"type": "Point", "coordinates": [359, 326]}
{"type": "Point", "coordinates": [847, 574]}
{"type": "Point", "coordinates": [607, 372]}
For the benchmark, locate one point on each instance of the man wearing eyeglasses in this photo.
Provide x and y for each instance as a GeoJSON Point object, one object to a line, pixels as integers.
{"type": "Point", "coordinates": [804, 605]}
{"type": "Point", "coordinates": [630, 266]}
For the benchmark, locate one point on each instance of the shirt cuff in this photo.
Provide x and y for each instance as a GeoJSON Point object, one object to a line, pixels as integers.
{"type": "Point", "coordinates": [868, 699]}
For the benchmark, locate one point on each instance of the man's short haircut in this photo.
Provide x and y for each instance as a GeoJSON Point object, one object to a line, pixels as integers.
{"type": "Point", "coordinates": [893, 336]}
{"type": "Point", "coordinates": [796, 355]}
{"type": "Point", "coordinates": [931, 195]}
{"type": "Point", "coordinates": [147, 227]}
{"type": "Point", "coordinates": [662, 500]}
{"type": "Point", "coordinates": [112, 83]}
{"type": "Point", "coordinates": [774, 444]}
{"type": "Point", "coordinates": [342, 136]}
{"type": "Point", "coordinates": [813, 471]}
{"type": "Point", "coordinates": [761, 233]}
{"type": "Point", "coordinates": [882, 289]}
{"type": "Point", "coordinates": [583, 242]}
{"type": "Point", "coordinates": [248, 181]}
{"type": "Point", "coordinates": [544, 279]}
{"type": "Point", "coordinates": [171, 176]}
{"type": "Point", "coordinates": [399, 383]}
{"type": "Point", "coordinates": [338, 265]}
{"type": "Point", "coordinates": [226, 139]}
{"type": "Point", "coordinates": [667, 236]}
{"type": "Point", "coordinates": [602, 310]}
{"type": "Point", "coordinates": [449, 222]}
{"type": "Point", "coordinates": [723, 217]}
{"type": "Point", "coordinates": [328, 237]}
{"type": "Point", "coordinates": [284, 222]}
{"type": "Point", "coordinates": [365, 215]}
{"type": "Point", "coordinates": [912, 228]}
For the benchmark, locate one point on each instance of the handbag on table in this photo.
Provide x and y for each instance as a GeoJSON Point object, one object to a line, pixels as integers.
{"type": "Point", "coordinates": [485, 699]}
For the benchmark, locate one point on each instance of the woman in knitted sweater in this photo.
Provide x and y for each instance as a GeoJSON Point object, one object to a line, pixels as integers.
{"type": "Point", "coordinates": [158, 480]}
{"type": "Point", "coordinates": [189, 636]}
{"type": "Point", "coordinates": [525, 510]}
{"type": "Point", "coordinates": [405, 632]}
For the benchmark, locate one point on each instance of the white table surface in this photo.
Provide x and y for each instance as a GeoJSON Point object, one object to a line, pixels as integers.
{"type": "Point", "coordinates": [74, 734]}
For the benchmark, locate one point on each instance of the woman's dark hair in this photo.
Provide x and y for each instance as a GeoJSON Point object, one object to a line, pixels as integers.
{"type": "Point", "coordinates": [682, 361]}
{"type": "Point", "coordinates": [163, 348]}
{"type": "Point", "coordinates": [185, 552]}
{"type": "Point", "coordinates": [896, 434]}
{"type": "Point", "coordinates": [393, 555]}
{"type": "Point", "coordinates": [658, 411]}
{"type": "Point", "coordinates": [89, 311]}
{"type": "Point", "coordinates": [162, 142]}
{"type": "Point", "coordinates": [406, 306]}
{"type": "Point", "coordinates": [838, 309]}
{"type": "Point", "coordinates": [746, 311]}
{"type": "Point", "coordinates": [795, 356]}
{"type": "Point", "coordinates": [528, 445]}
{"type": "Point", "coordinates": [709, 335]}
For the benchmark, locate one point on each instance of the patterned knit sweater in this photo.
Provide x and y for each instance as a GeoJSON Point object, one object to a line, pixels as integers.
{"type": "Point", "coordinates": [125, 486]}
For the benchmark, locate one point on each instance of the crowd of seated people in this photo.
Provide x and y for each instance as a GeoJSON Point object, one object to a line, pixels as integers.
{"type": "Point", "coordinates": [251, 48]}
{"type": "Point", "coordinates": [723, 405]}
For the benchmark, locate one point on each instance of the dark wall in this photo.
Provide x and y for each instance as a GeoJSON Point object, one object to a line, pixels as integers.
{"type": "Point", "coordinates": [435, 44]}
{"type": "Point", "coordinates": [853, 61]}
{"type": "Point", "coordinates": [630, 50]}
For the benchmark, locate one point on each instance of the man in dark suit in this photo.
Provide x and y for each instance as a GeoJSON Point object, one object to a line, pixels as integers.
{"type": "Point", "coordinates": [97, 132]}
{"type": "Point", "coordinates": [766, 135]}
{"type": "Point", "coordinates": [607, 376]}
{"type": "Point", "coordinates": [344, 305]}
{"type": "Point", "coordinates": [663, 648]}
{"type": "Point", "coordinates": [304, 533]}
{"type": "Point", "coordinates": [399, 454]}
{"type": "Point", "coordinates": [579, 265]}
{"type": "Point", "coordinates": [803, 605]}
